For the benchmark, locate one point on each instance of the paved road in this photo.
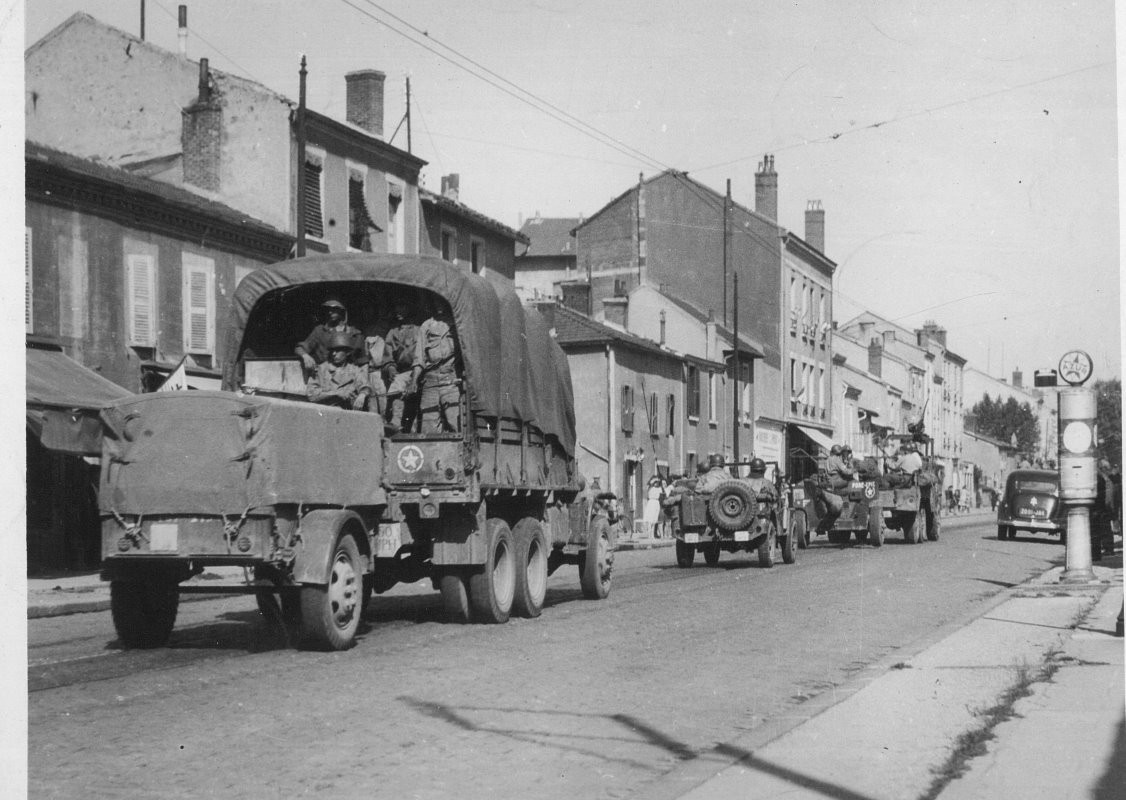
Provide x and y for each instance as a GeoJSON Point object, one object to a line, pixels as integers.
{"type": "Point", "coordinates": [592, 699]}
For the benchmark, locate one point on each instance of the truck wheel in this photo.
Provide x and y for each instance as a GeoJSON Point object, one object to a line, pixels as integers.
{"type": "Point", "coordinates": [1002, 532]}
{"type": "Point", "coordinates": [711, 553]}
{"type": "Point", "coordinates": [914, 526]}
{"type": "Point", "coordinates": [455, 597]}
{"type": "Point", "coordinates": [144, 611]}
{"type": "Point", "coordinates": [531, 572]}
{"type": "Point", "coordinates": [789, 554]}
{"type": "Point", "coordinates": [685, 554]}
{"type": "Point", "coordinates": [799, 531]}
{"type": "Point", "coordinates": [597, 566]}
{"type": "Point", "coordinates": [766, 550]}
{"type": "Point", "coordinates": [876, 526]}
{"type": "Point", "coordinates": [934, 524]}
{"type": "Point", "coordinates": [492, 589]}
{"type": "Point", "coordinates": [330, 615]}
{"type": "Point", "coordinates": [732, 506]}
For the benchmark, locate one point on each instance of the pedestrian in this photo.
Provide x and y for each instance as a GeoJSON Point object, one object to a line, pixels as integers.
{"type": "Point", "coordinates": [651, 514]}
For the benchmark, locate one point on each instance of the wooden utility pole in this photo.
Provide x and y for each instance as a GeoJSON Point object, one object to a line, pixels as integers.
{"type": "Point", "coordinates": [735, 371]}
{"type": "Point", "coordinates": [726, 204]}
{"type": "Point", "coordinates": [301, 163]}
{"type": "Point", "coordinates": [409, 115]}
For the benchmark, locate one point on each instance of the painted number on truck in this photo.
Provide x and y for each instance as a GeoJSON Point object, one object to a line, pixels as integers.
{"type": "Point", "coordinates": [389, 541]}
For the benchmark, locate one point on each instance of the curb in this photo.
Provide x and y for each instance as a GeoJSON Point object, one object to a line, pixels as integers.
{"type": "Point", "coordinates": [44, 610]}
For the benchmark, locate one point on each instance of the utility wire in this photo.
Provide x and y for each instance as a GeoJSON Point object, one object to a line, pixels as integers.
{"type": "Point", "coordinates": [194, 32]}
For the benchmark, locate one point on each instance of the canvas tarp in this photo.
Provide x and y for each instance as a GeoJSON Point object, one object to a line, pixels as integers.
{"type": "Point", "coordinates": [513, 368]}
{"type": "Point", "coordinates": [63, 400]}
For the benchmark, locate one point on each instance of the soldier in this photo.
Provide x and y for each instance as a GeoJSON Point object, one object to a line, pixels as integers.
{"type": "Point", "coordinates": [338, 381]}
{"type": "Point", "coordinates": [314, 350]}
{"type": "Point", "coordinates": [434, 372]}
{"type": "Point", "coordinates": [839, 466]}
{"type": "Point", "coordinates": [758, 480]}
{"type": "Point", "coordinates": [831, 504]}
{"type": "Point", "coordinates": [715, 475]}
{"type": "Point", "coordinates": [399, 350]}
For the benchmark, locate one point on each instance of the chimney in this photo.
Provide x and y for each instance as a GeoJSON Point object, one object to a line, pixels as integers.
{"type": "Point", "coordinates": [931, 332]}
{"type": "Point", "coordinates": [1018, 378]}
{"type": "Point", "coordinates": [182, 31]}
{"type": "Point", "coordinates": [876, 356]}
{"type": "Point", "coordinates": [201, 134]}
{"type": "Point", "coordinates": [365, 100]}
{"type": "Point", "coordinates": [766, 188]}
{"type": "Point", "coordinates": [450, 187]}
{"type": "Point", "coordinates": [616, 311]}
{"type": "Point", "coordinates": [576, 296]}
{"type": "Point", "coordinates": [815, 225]}
{"type": "Point", "coordinates": [866, 327]}
{"type": "Point", "coordinates": [547, 309]}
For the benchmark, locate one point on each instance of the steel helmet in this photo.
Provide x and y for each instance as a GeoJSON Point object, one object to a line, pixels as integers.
{"type": "Point", "coordinates": [341, 340]}
{"type": "Point", "coordinates": [835, 450]}
{"type": "Point", "coordinates": [757, 467]}
{"type": "Point", "coordinates": [845, 449]}
{"type": "Point", "coordinates": [715, 460]}
{"type": "Point", "coordinates": [332, 302]}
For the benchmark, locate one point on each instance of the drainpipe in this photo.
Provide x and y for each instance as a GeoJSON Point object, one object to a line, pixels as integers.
{"type": "Point", "coordinates": [611, 449]}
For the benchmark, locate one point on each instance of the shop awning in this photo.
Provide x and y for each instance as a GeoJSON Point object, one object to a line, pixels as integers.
{"type": "Point", "coordinates": [63, 401]}
{"type": "Point", "coordinates": [817, 436]}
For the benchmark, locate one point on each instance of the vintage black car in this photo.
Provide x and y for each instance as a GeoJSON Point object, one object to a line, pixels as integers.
{"type": "Point", "coordinates": [1031, 502]}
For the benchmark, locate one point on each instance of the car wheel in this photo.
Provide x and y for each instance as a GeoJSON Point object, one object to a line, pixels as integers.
{"type": "Point", "coordinates": [685, 554]}
{"type": "Point", "coordinates": [711, 553]}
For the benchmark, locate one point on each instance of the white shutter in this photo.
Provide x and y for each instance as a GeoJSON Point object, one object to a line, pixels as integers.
{"type": "Point", "coordinates": [28, 319]}
{"type": "Point", "coordinates": [140, 293]}
{"type": "Point", "coordinates": [199, 304]}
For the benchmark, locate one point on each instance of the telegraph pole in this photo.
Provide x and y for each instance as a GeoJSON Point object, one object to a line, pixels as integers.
{"type": "Point", "coordinates": [736, 371]}
{"type": "Point", "coordinates": [726, 205]}
{"type": "Point", "coordinates": [301, 163]}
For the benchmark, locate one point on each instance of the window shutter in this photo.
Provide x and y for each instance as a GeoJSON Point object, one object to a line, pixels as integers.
{"type": "Point", "coordinates": [671, 411]}
{"type": "Point", "coordinates": [199, 306]}
{"type": "Point", "coordinates": [140, 273]}
{"type": "Point", "coordinates": [28, 318]}
{"type": "Point", "coordinates": [627, 409]}
{"type": "Point", "coordinates": [314, 218]}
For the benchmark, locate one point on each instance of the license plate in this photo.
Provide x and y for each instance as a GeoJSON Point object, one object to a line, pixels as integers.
{"type": "Point", "coordinates": [691, 538]}
{"type": "Point", "coordinates": [164, 537]}
{"type": "Point", "coordinates": [389, 541]}
{"type": "Point", "coordinates": [742, 536]}
{"type": "Point", "coordinates": [1037, 513]}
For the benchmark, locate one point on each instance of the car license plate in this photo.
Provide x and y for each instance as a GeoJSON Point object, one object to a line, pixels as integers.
{"type": "Point", "coordinates": [691, 538]}
{"type": "Point", "coordinates": [1035, 513]}
{"type": "Point", "coordinates": [742, 536]}
{"type": "Point", "coordinates": [389, 541]}
{"type": "Point", "coordinates": [164, 537]}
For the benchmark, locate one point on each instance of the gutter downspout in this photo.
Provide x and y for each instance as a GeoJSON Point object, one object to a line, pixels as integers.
{"type": "Point", "coordinates": [611, 449]}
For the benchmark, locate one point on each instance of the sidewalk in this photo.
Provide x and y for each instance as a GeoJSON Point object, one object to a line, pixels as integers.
{"type": "Point", "coordinates": [1027, 700]}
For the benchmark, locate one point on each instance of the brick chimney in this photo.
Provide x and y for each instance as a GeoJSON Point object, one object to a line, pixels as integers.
{"type": "Point", "coordinates": [616, 311]}
{"type": "Point", "coordinates": [365, 100]}
{"type": "Point", "coordinates": [931, 332]}
{"type": "Point", "coordinates": [576, 296]}
{"type": "Point", "coordinates": [766, 188]}
{"type": "Point", "coordinates": [876, 356]}
{"type": "Point", "coordinates": [451, 186]}
{"type": "Point", "coordinates": [1018, 378]}
{"type": "Point", "coordinates": [815, 225]}
{"type": "Point", "coordinates": [201, 134]}
{"type": "Point", "coordinates": [547, 309]}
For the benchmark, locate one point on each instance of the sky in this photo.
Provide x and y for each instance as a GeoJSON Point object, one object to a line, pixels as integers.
{"type": "Point", "coordinates": [965, 153]}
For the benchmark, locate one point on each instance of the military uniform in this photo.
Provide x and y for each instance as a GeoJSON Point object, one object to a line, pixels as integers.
{"type": "Point", "coordinates": [711, 479]}
{"type": "Point", "coordinates": [338, 385]}
{"type": "Point", "coordinates": [316, 343]}
{"type": "Point", "coordinates": [400, 350]}
{"type": "Point", "coordinates": [434, 363]}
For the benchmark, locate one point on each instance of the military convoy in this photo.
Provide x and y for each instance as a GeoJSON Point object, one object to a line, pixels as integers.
{"type": "Point", "coordinates": [913, 503]}
{"type": "Point", "coordinates": [323, 506]}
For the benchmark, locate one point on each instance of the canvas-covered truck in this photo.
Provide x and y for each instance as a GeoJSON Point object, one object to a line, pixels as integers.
{"type": "Point", "coordinates": [323, 505]}
{"type": "Point", "coordinates": [913, 503]}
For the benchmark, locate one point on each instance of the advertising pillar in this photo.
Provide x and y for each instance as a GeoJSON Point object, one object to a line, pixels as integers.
{"type": "Point", "coordinates": [1078, 476]}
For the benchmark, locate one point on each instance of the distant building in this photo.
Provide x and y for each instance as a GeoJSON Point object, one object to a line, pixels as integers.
{"type": "Point", "coordinates": [549, 257]}
{"type": "Point", "coordinates": [1044, 404]}
{"type": "Point", "coordinates": [465, 237]}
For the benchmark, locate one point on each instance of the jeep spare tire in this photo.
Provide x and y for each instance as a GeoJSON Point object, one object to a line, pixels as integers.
{"type": "Point", "coordinates": [732, 506]}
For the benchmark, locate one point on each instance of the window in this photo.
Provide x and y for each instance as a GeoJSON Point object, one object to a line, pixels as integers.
{"type": "Point", "coordinates": [661, 340]}
{"type": "Point", "coordinates": [360, 224]}
{"type": "Point", "coordinates": [713, 396]}
{"type": "Point", "coordinates": [314, 191]}
{"type": "Point", "coordinates": [28, 316]}
{"type": "Point", "coordinates": [73, 255]}
{"type": "Point", "coordinates": [795, 388]}
{"type": "Point", "coordinates": [477, 255]}
{"type": "Point", "coordinates": [449, 245]}
{"type": "Point", "coordinates": [670, 415]}
{"type": "Point", "coordinates": [627, 409]}
{"type": "Point", "coordinates": [654, 426]}
{"type": "Point", "coordinates": [690, 465]}
{"type": "Point", "coordinates": [693, 391]}
{"type": "Point", "coordinates": [140, 299]}
{"type": "Point", "coordinates": [395, 228]}
{"type": "Point", "coordinates": [199, 304]}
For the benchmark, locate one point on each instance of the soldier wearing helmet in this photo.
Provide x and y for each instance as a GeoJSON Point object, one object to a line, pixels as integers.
{"type": "Point", "coordinates": [839, 466]}
{"type": "Point", "coordinates": [758, 480]}
{"type": "Point", "coordinates": [338, 381]}
{"type": "Point", "coordinates": [314, 350]}
{"type": "Point", "coordinates": [908, 463]}
{"type": "Point", "coordinates": [717, 473]}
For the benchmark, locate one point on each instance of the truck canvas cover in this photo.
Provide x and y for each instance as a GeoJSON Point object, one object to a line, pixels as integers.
{"type": "Point", "coordinates": [513, 368]}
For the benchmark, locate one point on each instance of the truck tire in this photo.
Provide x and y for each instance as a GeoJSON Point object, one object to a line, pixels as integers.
{"type": "Point", "coordinates": [144, 612]}
{"type": "Point", "coordinates": [934, 524]}
{"type": "Point", "coordinates": [330, 614]}
{"type": "Point", "coordinates": [766, 550]}
{"type": "Point", "coordinates": [1002, 532]}
{"type": "Point", "coordinates": [914, 526]}
{"type": "Point", "coordinates": [597, 567]}
{"type": "Point", "coordinates": [455, 597]}
{"type": "Point", "coordinates": [711, 553]}
{"type": "Point", "coordinates": [789, 551]}
{"type": "Point", "coordinates": [531, 568]}
{"type": "Point", "coordinates": [492, 589]}
{"type": "Point", "coordinates": [732, 506]}
{"type": "Point", "coordinates": [685, 554]}
{"type": "Point", "coordinates": [799, 530]}
{"type": "Point", "coordinates": [876, 526]}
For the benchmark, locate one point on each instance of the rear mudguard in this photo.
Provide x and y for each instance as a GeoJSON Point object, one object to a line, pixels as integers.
{"type": "Point", "coordinates": [319, 531]}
